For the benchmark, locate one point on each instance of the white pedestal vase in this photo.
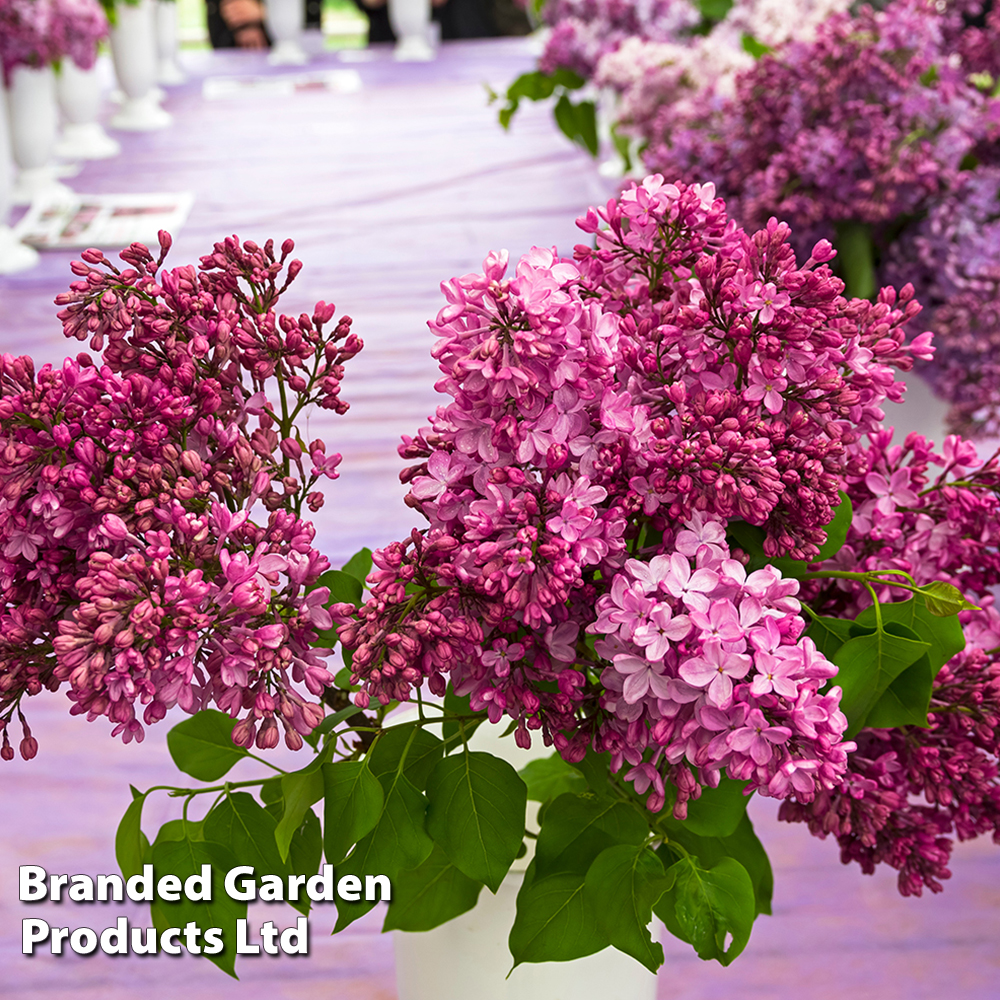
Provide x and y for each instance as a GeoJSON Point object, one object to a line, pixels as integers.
{"type": "Point", "coordinates": [169, 71]}
{"type": "Point", "coordinates": [34, 125]}
{"type": "Point", "coordinates": [79, 93]}
{"type": "Point", "coordinates": [133, 49]}
{"type": "Point", "coordinates": [14, 255]}
{"type": "Point", "coordinates": [286, 21]}
{"type": "Point", "coordinates": [410, 20]}
{"type": "Point", "coordinates": [467, 959]}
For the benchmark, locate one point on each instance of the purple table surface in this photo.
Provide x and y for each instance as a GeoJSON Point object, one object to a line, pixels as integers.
{"type": "Point", "coordinates": [387, 192]}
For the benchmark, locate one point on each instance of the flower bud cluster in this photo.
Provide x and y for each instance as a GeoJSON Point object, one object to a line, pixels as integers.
{"type": "Point", "coordinates": [36, 33]}
{"type": "Point", "coordinates": [131, 567]}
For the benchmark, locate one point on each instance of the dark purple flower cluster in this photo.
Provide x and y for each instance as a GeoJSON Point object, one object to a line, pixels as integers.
{"type": "Point", "coordinates": [935, 517]}
{"type": "Point", "coordinates": [131, 568]}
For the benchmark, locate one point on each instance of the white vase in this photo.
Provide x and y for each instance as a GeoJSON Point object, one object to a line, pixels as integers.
{"type": "Point", "coordinates": [285, 21]}
{"type": "Point", "coordinates": [169, 70]}
{"type": "Point", "coordinates": [34, 124]}
{"type": "Point", "coordinates": [14, 255]}
{"type": "Point", "coordinates": [133, 49]}
{"type": "Point", "coordinates": [79, 93]}
{"type": "Point", "coordinates": [410, 20]}
{"type": "Point", "coordinates": [467, 959]}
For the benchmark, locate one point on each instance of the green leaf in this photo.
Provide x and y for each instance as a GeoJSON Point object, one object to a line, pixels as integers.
{"type": "Point", "coordinates": [705, 906]}
{"type": "Point", "coordinates": [743, 845]}
{"type": "Point", "coordinates": [550, 777]}
{"type": "Point", "coordinates": [353, 804]}
{"type": "Point", "coordinates": [945, 635]}
{"type": "Point", "coordinates": [576, 828]}
{"type": "Point", "coordinates": [305, 854]}
{"type": "Point", "coordinates": [476, 813]}
{"type": "Point", "coordinates": [130, 842]}
{"type": "Point", "coordinates": [596, 768]}
{"type": "Point", "coordinates": [907, 699]}
{"type": "Point", "coordinates": [300, 790]}
{"type": "Point", "coordinates": [359, 565]}
{"type": "Point", "coordinates": [829, 634]}
{"type": "Point", "coordinates": [578, 122]}
{"type": "Point", "coordinates": [718, 811]}
{"type": "Point", "coordinates": [714, 10]}
{"type": "Point", "coordinates": [535, 86]}
{"type": "Point", "coordinates": [270, 790]}
{"type": "Point", "coordinates": [868, 664]}
{"type": "Point", "coordinates": [836, 530]}
{"type": "Point", "coordinates": [563, 77]}
{"type": "Point", "coordinates": [554, 922]}
{"type": "Point", "coordinates": [430, 895]}
{"type": "Point", "coordinates": [754, 48]}
{"type": "Point", "coordinates": [203, 747]}
{"type": "Point", "coordinates": [183, 858]}
{"type": "Point", "coordinates": [422, 749]}
{"type": "Point", "coordinates": [344, 588]}
{"type": "Point", "coordinates": [397, 842]}
{"type": "Point", "coordinates": [180, 829]}
{"type": "Point", "coordinates": [944, 600]}
{"type": "Point", "coordinates": [247, 829]}
{"type": "Point", "coordinates": [622, 884]}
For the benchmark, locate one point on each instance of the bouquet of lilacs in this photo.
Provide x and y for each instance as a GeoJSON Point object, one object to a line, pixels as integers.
{"type": "Point", "coordinates": [134, 569]}
{"type": "Point", "coordinates": [880, 135]}
{"type": "Point", "coordinates": [667, 537]}
{"type": "Point", "coordinates": [664, 534]}
{"type": "Point", "coordinates": [643, 60]}
{"type": "Point", "coordinates": [660, 83]}
{"type": "Point", "coordinates": [38, 33]}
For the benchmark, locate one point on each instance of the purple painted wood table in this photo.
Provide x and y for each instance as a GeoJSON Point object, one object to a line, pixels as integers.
{"type": "Point", "coordinates": [387, 191]}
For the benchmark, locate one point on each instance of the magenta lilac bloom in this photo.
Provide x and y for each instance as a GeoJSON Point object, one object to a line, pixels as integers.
{"type": "Point", "coordinates": [137, 566]}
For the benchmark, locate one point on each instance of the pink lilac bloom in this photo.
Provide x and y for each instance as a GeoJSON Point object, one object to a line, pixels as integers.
{"type": "Point", "coordinates": [152, 548]}
{"type": "Point", "coordinates": [38, 33]}
{"type": "Point", "coordinates": [595, 544]}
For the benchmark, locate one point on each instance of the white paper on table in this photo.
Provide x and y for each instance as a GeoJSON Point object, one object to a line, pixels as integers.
{"type": "Point", "coordinates": [103, 220]}
{"type": "Point", "coordinates": [337, 81]}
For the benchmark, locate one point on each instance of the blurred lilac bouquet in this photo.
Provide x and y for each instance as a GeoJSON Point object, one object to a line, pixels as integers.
{"type": "Point", "coordinates": [132, 567]}
{"type": "Point", "coordinates": [39, 33]}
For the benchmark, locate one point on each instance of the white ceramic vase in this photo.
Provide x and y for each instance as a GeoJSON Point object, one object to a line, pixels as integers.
{"type": "Point", "coordinates": [79, 93]}
{"type": "Point", "coordinates": [34, 125]}
{"type": "Point", "coordinates": [133, 49]}
{"type": "Point", "coordinates": [169, 70]}
{"type": "Point", "coordinates": [467, 958]}
{"type": "Point", "coordinates": [410, 20]}
{"type": "Point", "coordinates": [285, 21]}
{"type": "Point", "coordinates": [14, 255]}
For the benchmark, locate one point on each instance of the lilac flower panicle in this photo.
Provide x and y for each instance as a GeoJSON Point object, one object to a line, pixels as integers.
{"type": "Point", "coordinates": [152, 549]}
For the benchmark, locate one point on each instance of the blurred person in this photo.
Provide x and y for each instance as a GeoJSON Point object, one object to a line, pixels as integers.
{"type": "Point", "coordinates": [458, 19]}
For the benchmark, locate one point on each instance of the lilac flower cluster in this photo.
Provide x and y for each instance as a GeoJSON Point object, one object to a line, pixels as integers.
{"type": "Point", "coordinates": [131, 568]}
{"type": "Point", "coordinates": [708, 666]}
{"type": "Point", "coordinates": [584, 30]}
{"type": "Point", "coordinates": [662, 83]}
{"type": "Point", "coordinates": [865, 124]}
{"type": "Point", "coordinates": [38, 33]}
{"type": "Point", "coordinates": [936, 517]}
{"type": "Point", "coordinates": [609, 416]}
